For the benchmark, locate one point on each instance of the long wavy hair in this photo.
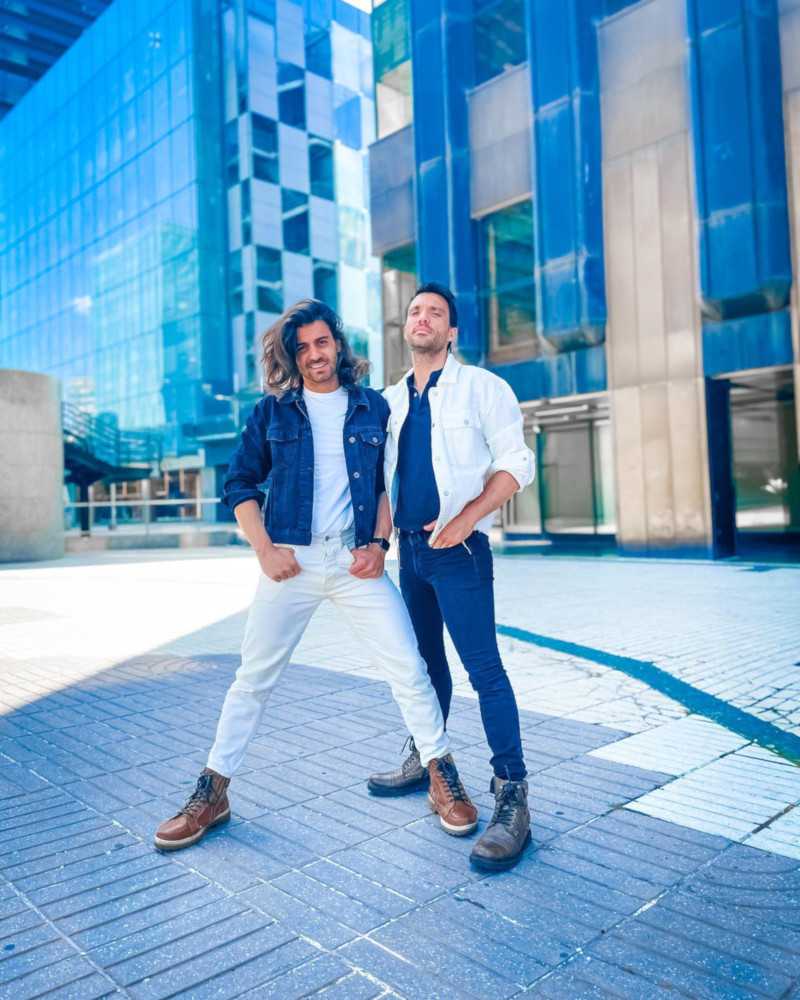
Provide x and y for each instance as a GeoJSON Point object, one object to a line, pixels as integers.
{"type": "Point", "coordinates": [279, 348]}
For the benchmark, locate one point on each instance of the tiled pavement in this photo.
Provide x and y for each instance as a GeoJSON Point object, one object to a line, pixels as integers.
{"type": "Point", "coordinates": [317, 889]}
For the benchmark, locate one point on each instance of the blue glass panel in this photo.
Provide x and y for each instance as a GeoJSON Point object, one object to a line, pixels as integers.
{"type": "Point", "coordinates": [740, 169]}
{"type": "Point", "coordinates": [500, 41]}
{"type": "Point", "coordinates": [291, 95]}
{"type": "Point", "coordinates": [318, 53]}
{"type": "Point", "coordinates": [348, 122]}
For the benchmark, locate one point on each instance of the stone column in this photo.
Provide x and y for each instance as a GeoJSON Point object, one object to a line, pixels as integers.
{"type": "Point", "coordinates": [656, 384]}
{"type": "Point", "coordinates": [31, 467]}
{"type": "Point", "coordinates": [790, 62]}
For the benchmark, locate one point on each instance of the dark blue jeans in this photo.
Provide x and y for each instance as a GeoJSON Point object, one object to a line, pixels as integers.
{"type": "Point", "coordinates": [453, 587]}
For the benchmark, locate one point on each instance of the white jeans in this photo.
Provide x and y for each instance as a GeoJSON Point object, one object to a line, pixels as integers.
{"type": "Point", "coordinates": [278, 617]}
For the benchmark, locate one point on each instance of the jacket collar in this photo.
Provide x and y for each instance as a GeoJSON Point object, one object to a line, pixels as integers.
{"type": "Point", "coordinates": [357, 396]}
{"type": "Point", "coordinates": [449, 372]}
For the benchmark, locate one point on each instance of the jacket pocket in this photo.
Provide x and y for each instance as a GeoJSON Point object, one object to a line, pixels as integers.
{"type": "Point", "coordinates": [463, 438]}
{"type": "Point", "coordinates": [284, 446]}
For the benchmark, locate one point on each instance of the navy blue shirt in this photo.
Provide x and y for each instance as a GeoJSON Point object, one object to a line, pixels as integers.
{"type": "Point", "coordinates": [417, 495]}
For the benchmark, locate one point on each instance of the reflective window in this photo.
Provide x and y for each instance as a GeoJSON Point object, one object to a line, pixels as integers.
{"type": "Point", "coordinates": [291, 95]}
{"type": "Point", "coordinates": [294, 209]}
{"type": "Point", "coordinates": [507, 284]}
{"type": "Point", "coordinates": [764, 438]}
{"type": "Point", "coordinates": [318, 52]}
{"type": "Point", "coordinates": [265, 148]}
{"type": "Point", "coordinates": [326, 283]}
{"type": "Point", "coordinates": [499, 38]}
{"type": "Point", "coordinates": [235, 282]}
{"type": "Point", "coordinates": [399, 280]}
{"type": "Point", "coordinates": [392, 61]}
{"type": "Point", "coordinates": [269, 279]}
{"type": "Point", "coordinates": [320, 162]}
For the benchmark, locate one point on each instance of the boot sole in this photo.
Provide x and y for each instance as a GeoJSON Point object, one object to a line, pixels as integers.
{"type": "Point", "coordinates": [496, 864]}
{"type": "Point", "coordinates": [454, 831]}
{"type": "Point", "coordinates": [392, 791]}
{"type": "Point", "coordinates": [178, 845]}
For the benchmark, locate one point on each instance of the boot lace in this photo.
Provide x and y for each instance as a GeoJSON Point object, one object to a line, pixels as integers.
{"type": "Point", "coordinates": [200, 797]}
{"type": "Point", "coordinates": [411, 763]}
{"type": "Point", "coordinates": [447, 769]}
{"type": "Point", "coordinates": [506, 804]}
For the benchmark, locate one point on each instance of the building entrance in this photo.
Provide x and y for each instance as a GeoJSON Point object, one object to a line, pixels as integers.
{"type": "Point", "coordinates": [765, 469]}
{"type": "Point", "coordinates": [572, 497]}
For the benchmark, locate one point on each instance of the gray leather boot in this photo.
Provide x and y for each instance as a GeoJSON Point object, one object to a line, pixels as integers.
{"type": "Point", "coordinates": [410, 776]}
{"type": "Point", "coordinates": [509, 832]}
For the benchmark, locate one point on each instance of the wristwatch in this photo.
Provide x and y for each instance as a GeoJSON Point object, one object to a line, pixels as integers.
{"type": "Point", "coordinates": [380, 541]}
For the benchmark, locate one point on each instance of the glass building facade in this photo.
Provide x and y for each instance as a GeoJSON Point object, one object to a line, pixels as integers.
{"type": "Point", "coordinates": [186, 170]}
{"type": "Point", "coordinates": [631, 285]}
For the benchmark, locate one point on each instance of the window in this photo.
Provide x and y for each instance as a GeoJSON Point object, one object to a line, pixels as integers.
{"type": "Point", "coordinates": [399, 279]}
{"type": "Point", "coordinates": [265, 148]}
{"type": "Point", "coordinates": [294, 209]}
{"type": "Point", "coordinates": [247, 221]}
{"type": "Point", "coordinates": [291, 95]}
{"type": "Point", "coordinates": [507, 284]}
{"type": "Point", "coordinates": [235, 282]}
{"type": "Point", "coordinates": [325, 283]}
{"type": "Point", "coordinates": [318, 53]}
{"type": "Point", "coordinates": [269, 280]}
{"type": "Point", "coordinates": [500, 41]}
{"type": "Point", "coordinates": [320, 165]}
{"type": "Point", "coordinates": [392, 55]}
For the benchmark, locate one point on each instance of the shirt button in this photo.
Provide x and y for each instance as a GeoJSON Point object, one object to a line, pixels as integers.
{"type": "Point", "coordinates": [356, 475]}
{"type": "Point", "coordinates": [351, 440]}
{"type": "Point", "coordinates": [375, 440]}
{"type": "Point", "coordinates": [447, 493]}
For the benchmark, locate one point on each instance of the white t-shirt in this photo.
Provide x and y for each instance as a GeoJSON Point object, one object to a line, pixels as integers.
{"type": "Point", "coordinates": [333, 506]}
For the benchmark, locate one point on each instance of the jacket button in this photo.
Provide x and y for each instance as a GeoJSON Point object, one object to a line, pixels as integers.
{"type": "Point", "coordinates": [351, 440]}
{"type": "Point", "coordinates": [356, 475]}
{"type": "Point", "coordinates": [361, 506]}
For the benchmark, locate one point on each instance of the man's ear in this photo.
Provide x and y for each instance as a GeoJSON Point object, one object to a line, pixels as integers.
{"type": "Point", "coordinates": [453, 337]}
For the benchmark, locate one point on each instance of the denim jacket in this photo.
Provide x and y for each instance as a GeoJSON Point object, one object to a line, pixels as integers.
{"type": "Point", "coordinates": [277, 450]}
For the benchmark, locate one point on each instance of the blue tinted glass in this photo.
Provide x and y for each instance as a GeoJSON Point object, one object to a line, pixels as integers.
{"type": "Point", "coordinates": [499, 38]}
{"type": "Point", "coordinates": [507, 284]}
{"type": "Point", "coordinates": [320, 161]}
{"type": "Point", "coordinates": [325, 283]}
{"type": "Point", "coordinates": [318, 53]}
{"type": "Point", "coordinates": [291, 95]}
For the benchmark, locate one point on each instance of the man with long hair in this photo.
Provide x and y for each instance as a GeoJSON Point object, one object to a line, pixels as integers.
{"type": "Point", "coordinates": [317, 440]}
{"type": "Point", "coordinates": [455, 453]}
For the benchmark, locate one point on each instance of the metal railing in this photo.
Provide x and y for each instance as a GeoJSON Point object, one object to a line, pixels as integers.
{"type": "Point", "coordinates": [111, 520]}
{"type": "Point", "coordinates": [99, 436]}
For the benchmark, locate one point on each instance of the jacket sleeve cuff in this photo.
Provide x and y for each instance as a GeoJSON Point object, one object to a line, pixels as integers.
{"type": "Point", "coordinates": [233, 498]}
{"type": "Point", "coordinates": [519, 465]}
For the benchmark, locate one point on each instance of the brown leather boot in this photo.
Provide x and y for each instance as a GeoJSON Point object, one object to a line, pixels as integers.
{"type": "Point", "coordinates": [206, 807]}
{"type": "Point", "coordinates": [448, 798]}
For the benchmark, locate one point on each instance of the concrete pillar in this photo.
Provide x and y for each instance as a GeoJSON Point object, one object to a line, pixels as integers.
{"type": "Point", "coordinates": [790, 63]}
{"type": "Point", "coordinates": [31, 467]}
{"type": "Point", "coordinates": [654, 329]}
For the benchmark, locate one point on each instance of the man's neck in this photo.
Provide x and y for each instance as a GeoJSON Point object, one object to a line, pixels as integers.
{"type": "Point", "coordinates": [424, 364]}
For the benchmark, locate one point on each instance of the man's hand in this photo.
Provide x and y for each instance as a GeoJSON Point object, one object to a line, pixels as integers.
{"type": "Point", "coordinates": [368, 562]}
{"type": "Point", "coordinates": [277, 563]}
{"type": "Point", "coordinates": [454, 532]}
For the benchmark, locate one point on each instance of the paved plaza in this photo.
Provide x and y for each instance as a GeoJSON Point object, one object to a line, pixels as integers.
{"type": "Point", "coordinates": [661, 724]}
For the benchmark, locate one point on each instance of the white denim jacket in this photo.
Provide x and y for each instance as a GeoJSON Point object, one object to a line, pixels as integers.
{"type": "Point", "coordinates": [476, 430]}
